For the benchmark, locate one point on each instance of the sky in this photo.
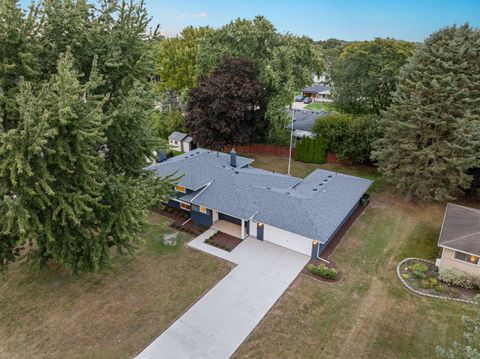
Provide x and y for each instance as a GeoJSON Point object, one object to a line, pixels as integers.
{"type": "Point", "coordinates": [349, 20]}
{"type": "Point", "coordinates": [411, 20]}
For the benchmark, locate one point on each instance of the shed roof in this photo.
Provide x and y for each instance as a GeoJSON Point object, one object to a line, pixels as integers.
{"type": "Point", "coordinates": [461, 229]}
{"type": "Point", "coordinates": [177, 136]}
{"type": "Point", "coordinates": [304, 120]}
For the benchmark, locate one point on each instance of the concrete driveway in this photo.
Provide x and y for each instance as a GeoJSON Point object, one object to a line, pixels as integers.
{"type": "Point", "coordinates": [221, 320]}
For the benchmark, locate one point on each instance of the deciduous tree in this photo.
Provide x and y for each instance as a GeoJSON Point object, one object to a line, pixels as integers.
{"type": "Point", "coordinates": [285, 63]}
{"type": "Point", "coordinates": [365, 75]}
{"type": "Point", "coordinates": [228, 106]}
{"type": "Point", "coordinates": [176, 60]}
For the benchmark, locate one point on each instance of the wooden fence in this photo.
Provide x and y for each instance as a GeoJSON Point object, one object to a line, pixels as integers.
{"type": "Point", "coordinates": [262, 149]}
{"type": "Point", "coordinates": [274, 150]}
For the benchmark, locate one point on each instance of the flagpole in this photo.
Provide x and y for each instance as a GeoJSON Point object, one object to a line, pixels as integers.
{"type": "Point", "coordinates": [291, 141]}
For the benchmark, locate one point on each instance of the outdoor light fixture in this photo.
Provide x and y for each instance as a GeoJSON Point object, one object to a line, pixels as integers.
{"type": "Point", "coordinates": [474, 259]}
{"type": "Point", "coordinates": [315, 243]}
{"type": "Point", "coordinates": [260, 224]}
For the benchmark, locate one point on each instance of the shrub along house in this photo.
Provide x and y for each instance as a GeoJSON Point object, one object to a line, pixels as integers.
{"type": "Point", "coordinates": [460, 240]}
{"type": "Point", "coordinates": [224, 192]}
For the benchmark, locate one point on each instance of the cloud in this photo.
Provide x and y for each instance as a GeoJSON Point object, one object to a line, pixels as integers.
{"type": "Point", "coordinates": [192, 16]}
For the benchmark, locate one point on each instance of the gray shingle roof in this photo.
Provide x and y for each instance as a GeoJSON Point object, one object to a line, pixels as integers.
{"type": "Point", "coordinates": [313, 207]}
{"type": "Point", "coordinates": [316, 89]}
{"type": "Point", "coordinates": [198, 167]}
{"type": "Point", "coordinates": [461, 229]}
{"type": "Point", "coordinates": [304, 119]}
{"type": "Point", "coordinates": [177, 136]}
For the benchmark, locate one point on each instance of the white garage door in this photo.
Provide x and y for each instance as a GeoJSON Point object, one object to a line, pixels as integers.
{"type": "Point", "coordinates": [287, 239]}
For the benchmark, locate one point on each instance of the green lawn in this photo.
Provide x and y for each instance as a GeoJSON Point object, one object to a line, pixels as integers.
{"type": "Point", "coordinates": [314, 106]}
{"type": "Point", "coordinates": [114, 314]}
{"type": "Point", "coordinates": [369, 314]}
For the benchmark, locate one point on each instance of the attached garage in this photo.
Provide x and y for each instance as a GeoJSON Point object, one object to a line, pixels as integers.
{"type": "Point", "coordinates": [287, 239]}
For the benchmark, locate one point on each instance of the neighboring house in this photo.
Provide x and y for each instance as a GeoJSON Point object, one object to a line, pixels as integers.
{"type": "Point", "coordinates": [318, 93]}
{"type": "Point", "coordinates": [223, 191]}
{"type": "Point", "coordinates": [179, 141]}
{"type": "Point", "coordinates": [303, 122]}
{"type": "Point", "coordinates": [460, 240]}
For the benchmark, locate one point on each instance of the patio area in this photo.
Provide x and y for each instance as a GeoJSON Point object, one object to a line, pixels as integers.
{"type": "Point", "coordinates": [229, 228]}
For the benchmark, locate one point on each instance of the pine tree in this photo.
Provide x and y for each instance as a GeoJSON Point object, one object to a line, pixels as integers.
{"type": "Point", "coordinates": [71, 162]}
{"type": "Point", "coordinates": [432, 129]}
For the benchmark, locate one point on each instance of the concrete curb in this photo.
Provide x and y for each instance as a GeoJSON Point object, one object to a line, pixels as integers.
{"type": "Point", "coordinates": [404, 282]}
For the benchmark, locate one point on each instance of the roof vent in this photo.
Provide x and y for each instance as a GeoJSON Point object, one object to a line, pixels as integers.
{"type": "Point", "coordinates": [315, 189]}
{"type": "Point", "coordinates": [288, 192]}
{"type": "Point", "coordinates": [233, 158]}
{"type": "Point", "coordinates": [237, 172]}
{"type": "Point", "coordinates": [325, 180]}
{"type": "Point", "coordinates": [329, 176]}
{"type": "Point", "coordinates": [320, 184]}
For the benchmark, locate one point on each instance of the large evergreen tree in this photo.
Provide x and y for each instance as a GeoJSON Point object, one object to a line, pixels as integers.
{"type": "Point", "coordinates": [76, 131]}
{"type": "Point", "coordinates": [432, 129]}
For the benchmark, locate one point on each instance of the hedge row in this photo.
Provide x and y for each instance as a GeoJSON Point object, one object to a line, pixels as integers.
{"type": "Point", "coordinates": [350, 137]}
{"type": "Point", "coordinates": [311, 150]}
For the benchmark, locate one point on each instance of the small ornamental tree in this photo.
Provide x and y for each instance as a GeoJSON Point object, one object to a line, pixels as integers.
{"type": "Point", "coordinates": [228, 106]}
{"type": "Point", "coordinates": [432, 129]}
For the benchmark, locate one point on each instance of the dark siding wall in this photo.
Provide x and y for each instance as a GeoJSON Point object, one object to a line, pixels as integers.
{"type": "Point", "coordinates": [204, 219]}
{"type": "Point", "coordinates": [322, 246]}
{"type": "Point", "coordinates": [173, 203]}
{"type": "Point", "coordinates": [229, 219]}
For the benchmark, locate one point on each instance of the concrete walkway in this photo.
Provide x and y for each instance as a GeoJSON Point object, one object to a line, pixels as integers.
{"type": "Point", "coordinates": [221, 320]}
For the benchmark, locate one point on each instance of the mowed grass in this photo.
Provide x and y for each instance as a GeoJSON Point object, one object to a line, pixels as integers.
{"type": "Point", "coordinates": [113, 314]}
{"type": "Point", "coordinates": [369, 314]}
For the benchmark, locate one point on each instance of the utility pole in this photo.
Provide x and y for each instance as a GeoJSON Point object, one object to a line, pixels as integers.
{"type": "Point", "coordinates": [291, 141]}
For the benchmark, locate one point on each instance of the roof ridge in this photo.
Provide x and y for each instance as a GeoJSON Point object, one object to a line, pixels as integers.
{"type": "Point", "coordinates": [461, 237]}
{"type": "Point", "coordinates": [474, 210]}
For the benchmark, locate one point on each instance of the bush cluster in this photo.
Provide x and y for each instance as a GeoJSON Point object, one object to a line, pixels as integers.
{"type": "Point", "coordinates": [350, 137]}
{"type": "Point", "coordinates": [311, 150]}
{"type": "Point", "coordinates": [428, 283]}
{"type": "Point", "coordinates": [323, 271]}
{"type": "Point", "coordinates": [457, 278]}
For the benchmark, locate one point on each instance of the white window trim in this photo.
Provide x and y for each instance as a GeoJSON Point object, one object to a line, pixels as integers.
{"type": "Point", "coordinates": [467, 262]}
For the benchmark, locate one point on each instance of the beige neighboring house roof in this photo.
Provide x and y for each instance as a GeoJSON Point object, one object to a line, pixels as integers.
{"type": "Point", "coordinates": [461, 229]}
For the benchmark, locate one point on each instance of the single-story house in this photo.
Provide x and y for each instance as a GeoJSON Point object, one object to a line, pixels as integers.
{"type": "Point", "coordinates": [460, 240]}
{"type": "Point", "coordinates": [319, 93]}
{"type": "Point", "coordinates": [303, 122]}
{"type": "Point", "coordinates": [180, 141]}
{"type": "Point", "coordinates": [222, 191]}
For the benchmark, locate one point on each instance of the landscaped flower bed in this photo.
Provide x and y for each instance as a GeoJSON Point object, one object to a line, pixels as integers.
{"type": "Point", "coordinates": [223, 241]}
{"type": "Point", "coordinates": [422, 276]}
{"type": "Point", "coordinates": [319, 270]}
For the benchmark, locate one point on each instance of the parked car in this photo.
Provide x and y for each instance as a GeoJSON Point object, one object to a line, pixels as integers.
{"type": "Point", "coordinates": [299, 98]}
{"type": "Point", "coordinates": [307, 100]}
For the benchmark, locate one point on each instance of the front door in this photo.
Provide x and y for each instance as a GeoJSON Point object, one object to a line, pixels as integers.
{"type": "Point", "coordinates": [260, 231]}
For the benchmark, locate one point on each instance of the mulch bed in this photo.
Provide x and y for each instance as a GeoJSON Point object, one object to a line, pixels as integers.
{"type": "Point", "coordinates": [179, 218]}
{"type": "Point", "coordinates": [447, 291]}
{"type": "Point", "coordinates": [224, 241]}
{"type": "Point", "coordinates": [327, 252]}
{"type": "Point", "coordinates": [316, 262]}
